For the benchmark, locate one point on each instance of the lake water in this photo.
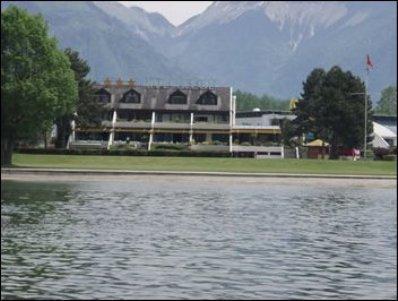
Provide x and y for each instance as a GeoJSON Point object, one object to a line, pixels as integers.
{"type": "Point", "coordinates": [175, 239]}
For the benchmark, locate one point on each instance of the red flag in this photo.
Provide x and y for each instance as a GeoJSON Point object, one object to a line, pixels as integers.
{"type": "Point", "coordinates": [369, 63]}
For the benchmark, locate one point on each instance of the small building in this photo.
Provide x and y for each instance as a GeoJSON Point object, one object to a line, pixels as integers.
{"type": "Point", "coordinates": [317, 149]}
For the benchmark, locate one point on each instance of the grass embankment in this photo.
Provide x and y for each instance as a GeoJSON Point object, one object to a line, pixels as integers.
{"type": "Point", "coordinates": [207, 164]}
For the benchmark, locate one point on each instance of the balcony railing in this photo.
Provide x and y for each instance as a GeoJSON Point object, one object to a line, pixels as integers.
{"type": "Point", "coordinates": [261, 149]}
{"type": "Point", "coordinates": [106, 123]}
{"type": "Point", "coordinates": [172, 125]}
{"type": "Point", "coordinates": [133, 124]}
{"type": "Point", "coordinates": [210, 126]}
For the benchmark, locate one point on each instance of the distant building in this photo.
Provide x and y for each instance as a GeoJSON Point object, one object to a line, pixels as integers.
{"type": "Point", "coordinates": [385, 131]}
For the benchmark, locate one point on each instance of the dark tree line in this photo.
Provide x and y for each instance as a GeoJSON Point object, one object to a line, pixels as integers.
{"type": "Point", "coordinates": [87, 112]}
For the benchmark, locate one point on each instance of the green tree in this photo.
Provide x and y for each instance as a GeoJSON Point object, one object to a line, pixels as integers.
{"type": "Point", "coordinates": [87, 108]}
{"type": "Point", "coordinates": [37, 84]}
{"type": "Point", "coordinates": [388, 102]}
{"type": "Point", "coordinates": [289, 133]}
{"type": "Point", "coordinates": [247, 102]}
{"type": "Point", "coordinates": [332, 108]}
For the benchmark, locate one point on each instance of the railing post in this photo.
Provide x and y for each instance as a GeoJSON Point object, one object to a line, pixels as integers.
{"type": "Point", "coordinates": [112, 132]}
{"type": "Point", "coordinates": [191, 129]}
{"type": "Point", "coordinates": [230, 142]}
{"type": "Point", "coordinates": [151, 130]}
{"type": "Point", "coordinates": [72, 136]}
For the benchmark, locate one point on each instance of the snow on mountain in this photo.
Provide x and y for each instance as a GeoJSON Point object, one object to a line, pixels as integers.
{"type": "Point", "coordinates": [257, 46]}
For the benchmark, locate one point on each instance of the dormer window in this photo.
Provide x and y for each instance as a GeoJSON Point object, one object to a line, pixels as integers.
{"type": "Point", "coordinates": [131, 96]}
{"type": "Point", "coordinates": [103, 96]}
{"type": "Point", "coordinates": [178, 97]}
{"type": "Point", "coordinates": [207, 98]}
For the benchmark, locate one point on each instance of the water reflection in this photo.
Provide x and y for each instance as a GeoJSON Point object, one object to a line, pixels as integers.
{"type": "Point", "coordinates": [168, 239]}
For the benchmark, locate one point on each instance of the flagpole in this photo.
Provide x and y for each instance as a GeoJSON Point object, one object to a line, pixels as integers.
{"type": "Point", "coordinates": [366, 114]}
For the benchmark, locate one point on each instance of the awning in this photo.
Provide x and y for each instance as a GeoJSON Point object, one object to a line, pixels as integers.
{"type": "Point", "coordinates": [317, 142]}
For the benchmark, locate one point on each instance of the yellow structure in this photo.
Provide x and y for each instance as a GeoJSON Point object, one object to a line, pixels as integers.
{"type": "Point", "coordinates": [293, 103]}
{"type": "Point", "coordinates": [317, 142]}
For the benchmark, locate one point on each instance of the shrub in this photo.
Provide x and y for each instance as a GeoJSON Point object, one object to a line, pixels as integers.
{"type": "Point", "coordinates": [390, 158]}
{"type": "Point", "coordinates": [169, 146]}
{"type": "Point", "coordinates": [379, 152]}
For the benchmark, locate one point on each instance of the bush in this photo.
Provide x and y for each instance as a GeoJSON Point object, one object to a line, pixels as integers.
{"type": "Point", "coordinates": [245, 144]}
{"type": "Point", "coordinates": [169, 146]}
{"type": "Point", "coordinates": [390, 158]}
{"type": "Point", "coordinates": [379, 152]}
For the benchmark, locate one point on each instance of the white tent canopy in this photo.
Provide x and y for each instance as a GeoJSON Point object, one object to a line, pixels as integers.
{"type": "Point", "coordinates": [381, 133]}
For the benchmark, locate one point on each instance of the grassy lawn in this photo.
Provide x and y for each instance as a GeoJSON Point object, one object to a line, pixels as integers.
{"type": "Point", "coordinates": [206, 164]}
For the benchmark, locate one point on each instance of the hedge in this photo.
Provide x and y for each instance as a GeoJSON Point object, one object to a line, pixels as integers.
{"type": "Point", "coordinates": [169, 147]}
{"type": "Point", "coordinates": [390, 157]}
{"type": "Point", "coordinates": [122, 152]}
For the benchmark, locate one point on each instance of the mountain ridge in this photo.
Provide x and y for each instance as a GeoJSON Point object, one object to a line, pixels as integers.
{"type": "Point", "coordinates": [260, 47]}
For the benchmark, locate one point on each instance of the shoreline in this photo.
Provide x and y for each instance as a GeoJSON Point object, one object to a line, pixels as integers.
{"type": "Point", "coordinates": [44, 174]}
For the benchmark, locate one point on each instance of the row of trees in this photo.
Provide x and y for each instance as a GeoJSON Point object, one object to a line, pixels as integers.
{"type": "Point", "coordinates": [248, 101]}
{"type": "Point", "coordinates": [40, 84]}
{"type": "Point", "coordinates": [387, 105]}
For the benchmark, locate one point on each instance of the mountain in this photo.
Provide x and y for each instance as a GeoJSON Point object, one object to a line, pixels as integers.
{"type": "Point", "coordinates": [265, 46]}
{"type": "Point", "coordinates": [255, 46]}
{"type": "Point", "coordinates": [112, 46]}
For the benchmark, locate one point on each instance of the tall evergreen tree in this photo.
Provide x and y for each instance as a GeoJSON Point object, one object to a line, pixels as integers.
{"type": "Point", "coordinates": [37, 84]}
{"type": "Point", "coordinates": [333, 108]}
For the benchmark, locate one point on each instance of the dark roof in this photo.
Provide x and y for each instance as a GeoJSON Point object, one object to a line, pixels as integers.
{"type": "Point", "coordinates": [261, 113]}
{"type": "Point", "coordinates": [385, 119]}
{"type": "Point", "coordinates": [156, 97]}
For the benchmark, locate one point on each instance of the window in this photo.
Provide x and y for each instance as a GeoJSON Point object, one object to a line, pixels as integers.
{"type": "Point", "coordinates": [103, 96]}
{"type": "Point", "coordinates": [222, 138]}
{"type": "Point", "coordinates": [201, 118]}
{"type": "Point", "coordinates": [275, 121]}
{"type": "Point", "coordinates": [207, 98]}
{"type": "Point", "coordinates": [101, 136]}
{"type": "Point", "coordinates": [178, 98]}
{"type": "Point", "coordinates": [131, 96]}
{"type": "Point", "coordinates": [199, 137]}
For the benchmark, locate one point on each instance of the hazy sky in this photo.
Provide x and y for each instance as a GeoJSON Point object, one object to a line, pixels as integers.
{"type": "Point", "coordinates": [175, 11]}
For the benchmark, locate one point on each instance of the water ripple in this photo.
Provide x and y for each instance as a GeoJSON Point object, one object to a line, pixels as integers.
{"type": "Point", "coordinates": [163, 240]}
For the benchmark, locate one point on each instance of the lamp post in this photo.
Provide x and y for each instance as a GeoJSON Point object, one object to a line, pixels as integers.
{"type": "Point", "coordinates": [366, 119]}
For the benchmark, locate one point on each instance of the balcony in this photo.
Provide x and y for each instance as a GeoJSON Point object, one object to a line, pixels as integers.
{"type": "Point", "coordinates": [209, 147]}
{"type": "Point", "coordinates": [172, 125]}
{"type": "Point", "coordinates": [135, 106]}
{"type": "Point", "coordinates": [210, 126]}
{"type": "Point", "coordinates": [88, 144]}
{"type": "Point", "coordinates": [261, 151]}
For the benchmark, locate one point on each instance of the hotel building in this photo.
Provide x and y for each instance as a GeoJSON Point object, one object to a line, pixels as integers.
{"type": "Point", "coordinates": [200, 118]}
